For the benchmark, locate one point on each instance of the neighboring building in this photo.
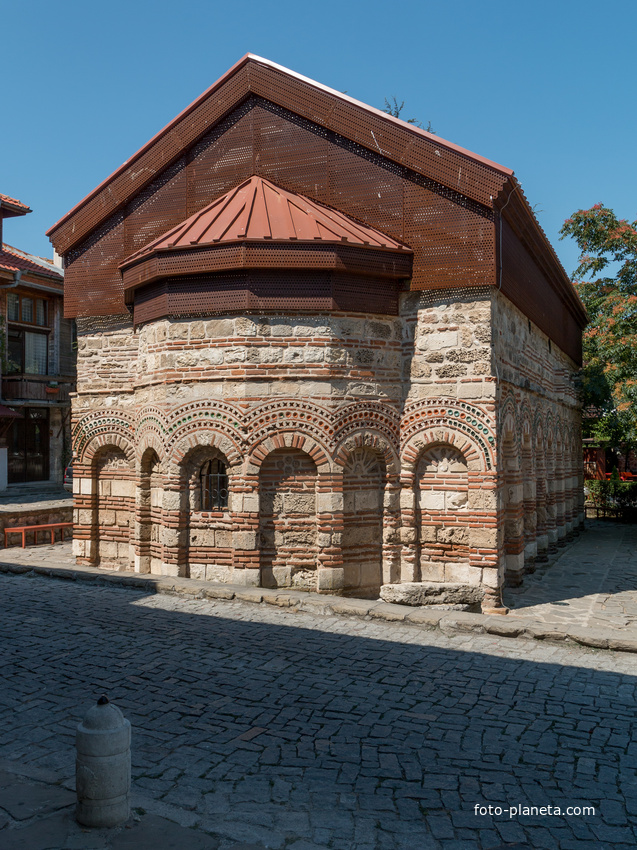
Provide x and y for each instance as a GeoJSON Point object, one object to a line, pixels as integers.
{"type": "Point", "coordinates": [38, 361]}
{"type": "Point", "coordinates": [319, 348]}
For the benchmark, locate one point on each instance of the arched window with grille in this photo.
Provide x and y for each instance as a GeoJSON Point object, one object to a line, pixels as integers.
{"type": "Point", "coordinates": [213, 485]}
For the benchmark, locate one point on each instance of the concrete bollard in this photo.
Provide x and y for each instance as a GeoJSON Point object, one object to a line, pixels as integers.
{"type": "Point", "coordinates": [102, 769]}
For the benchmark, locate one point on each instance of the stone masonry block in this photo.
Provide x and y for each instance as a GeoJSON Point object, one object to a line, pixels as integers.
{"type": "Point", "coordinates": [87, 486]}
{"type": "Point", "coordinates": [247, 577]}
{"type": "Point", "coordinates": [330, 579]}
{"type": "Point", "coordinates": [244, 539]}
{"type": "Point", "coordinates": [462, 573]}
{"type": "Point", "coordinates": [483, 538]}
{"type": "Point", "coordinates": [122, 489]}
{"type": "Point", "coordinates": [491, 577]}
{"type": "Point", "coordinates": [407, 499]}
{"type": "Point", "coordinates": [432, 571]}
{"type": "Point", "coordinates": [329, 503]}
{"type": "Point", "coordinates": [438, 340]}
{"type": "Point", "coordinates": [432, 500]}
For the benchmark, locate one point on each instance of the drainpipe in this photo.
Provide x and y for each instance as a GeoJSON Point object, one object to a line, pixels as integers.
{"type": "Point", "coordinates": [17, 277]}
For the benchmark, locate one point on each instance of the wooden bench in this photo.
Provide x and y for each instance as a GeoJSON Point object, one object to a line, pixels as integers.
{"type": "Point", "coordinates": [22, 529]}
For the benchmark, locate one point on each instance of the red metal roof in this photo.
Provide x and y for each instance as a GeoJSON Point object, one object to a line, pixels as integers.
{"type": "Point", "coordinates": [258, 210]}
{"type": "Point", "coordinates": [10, 207]}
{"type": "Point", "coordinates": [13, 260]}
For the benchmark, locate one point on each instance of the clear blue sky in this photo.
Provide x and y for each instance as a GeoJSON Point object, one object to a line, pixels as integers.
{"type": "Point", "coordinates": [545, 88]}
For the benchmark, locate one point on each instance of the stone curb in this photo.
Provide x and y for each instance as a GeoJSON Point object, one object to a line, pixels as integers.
{"type": "Point", "coordinates": [449, 622]}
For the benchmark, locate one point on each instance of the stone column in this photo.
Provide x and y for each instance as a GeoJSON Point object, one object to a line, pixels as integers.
{"type": "Point", "coordinates": [141, 527]}
{"type": "Point", "coordinates": [244, 504]}
{"type": "Point", "coordinates": [391, 563]}
{"type": "Point", "coordinates": [513, 519]}
{"type": "Point", "coordinates": [329, 521]}
{"type": "Point", "coordinates": [84, 513]}
{"type": "Point", "coordinates": [530, 514]}
{"type": "Point", "coordinates": [174, 561]}
{"type": "Point", "coordinates": [409, 538]}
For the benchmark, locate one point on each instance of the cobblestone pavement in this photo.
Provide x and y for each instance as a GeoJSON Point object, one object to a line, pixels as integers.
{"type": "Point", "coordinates": [287, 730]}
{"type": "Point", "coordinates": [593, 584]}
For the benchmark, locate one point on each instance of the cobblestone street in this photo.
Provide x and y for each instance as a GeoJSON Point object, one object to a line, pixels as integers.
{"type": "Point", "coordinates": [288, 730]}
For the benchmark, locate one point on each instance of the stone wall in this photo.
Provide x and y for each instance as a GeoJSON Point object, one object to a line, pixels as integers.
{"type": "Point", "coordinates": [540, 444]}
{"type": "Point", "coordinates": [20, 515]}
{"type": "Point", "coordinates": [361, 451]}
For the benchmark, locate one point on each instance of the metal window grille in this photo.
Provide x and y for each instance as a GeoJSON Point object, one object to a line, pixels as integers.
{"type": "Point", "coordinates": [213, 481]}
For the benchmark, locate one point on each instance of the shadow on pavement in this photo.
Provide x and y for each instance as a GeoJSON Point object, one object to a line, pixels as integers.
{"type": "Point", "coordinates": [351, 734]}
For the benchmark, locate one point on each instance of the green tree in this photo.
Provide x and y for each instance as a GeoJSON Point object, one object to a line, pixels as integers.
{"type": "Point", "coordinates": [392, 107]}
{"type": "Point", "coordinates": [606, 280]}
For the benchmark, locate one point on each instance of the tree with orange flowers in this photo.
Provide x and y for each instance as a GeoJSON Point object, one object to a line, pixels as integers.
{"type": "Point", "coordinates": [606, 281]}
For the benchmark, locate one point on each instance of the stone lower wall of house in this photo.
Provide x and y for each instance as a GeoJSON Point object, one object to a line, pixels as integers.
{"type": "Point", "coordinates": [361, 450]}
{"type": "Point", "coordinates": [35, 516]}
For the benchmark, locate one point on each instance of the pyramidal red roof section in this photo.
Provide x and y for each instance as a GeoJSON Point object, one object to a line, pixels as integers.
{"type": "Point", "coordinates": [258, 210]}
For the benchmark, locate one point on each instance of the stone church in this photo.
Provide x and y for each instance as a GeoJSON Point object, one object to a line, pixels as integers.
{"type": "Point", "coordinates": [319, 348]}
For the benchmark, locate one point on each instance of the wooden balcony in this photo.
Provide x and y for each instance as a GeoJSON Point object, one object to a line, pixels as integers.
{"type": "Point", "coordinates": [53, 388]}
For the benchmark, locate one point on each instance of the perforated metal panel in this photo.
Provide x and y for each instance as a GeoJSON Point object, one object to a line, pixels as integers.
{"type": "Point", "coordinates": [526, 286]}
{"type": "Point", "coordinates": [452, 237]}
{"type": "Point", "coordinates": [94, 282]}
{"type": "Point", "coordinates": [450, 167]}
{"type": "Point", "coordinates": [128, 181]}
{"type": "Point", "coordinates": [154, 210]}
{"type": "Point", "coordinates": [264, 290]}
{"type": "Point", "coordinates": [303, 256]}
{"type": "Point", "coordinates": [399, 143]}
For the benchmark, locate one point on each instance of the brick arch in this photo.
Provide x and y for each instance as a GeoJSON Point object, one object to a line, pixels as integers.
{"type": "Point", "coordinates": [102, 443]}
{"type": "Point", "coordinates": [290, 439]}
{"type": "Point", "coordinates": [274, 417]}
{"type": "Point", "coordinates": [152, 421]}
{"type": "Point", "coordinates": [459, 440]}
{"type": "Point", "coordinates": [289, 551]}
{"type": "Point", "coordinates": [368, 439]}
{"type": "Point", "coordinates": [549, 431]}
{"type": "Point", "coordinates": [539, 430]}
{"type": "Point", "coordinates": [365, 483]}
{"type": "Point", "coordinates": [369, 416]}
{"type": "Point", "coordinates": [201, 417]}
{"type": "Point", "coordinates": [442, 515]}
{"type": "Point", "coordinates": [510, 421]}
{"type": "Point", "coordinates": [526, 422]}
{"type": "Point", "coordinates": [198, 437]}
{"type": "Point", "coordinates": [111, 466]}
{"type": "Point", "coordinates": [146, 441]}
{"type": "Point", "coordinates": [439, 416]}
{"type": "Point", "coordinates": [148, 509]}
{"type": "Point", "coordinates": [97, 429]}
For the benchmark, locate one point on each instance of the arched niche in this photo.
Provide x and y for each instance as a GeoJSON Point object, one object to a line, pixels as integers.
{"type": "Point", "coordinates": [442, 489]}
{"type": "Point", "coordinates": [206, 497]}
{"type": "Point", "coordinates": [114, 486]}
{"type": "Point", "coordinates": [149, 508]}
{"type": "Point", "coordinates": [287, 519]}
{"type": "Point", "coordinates": [364, 477]}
